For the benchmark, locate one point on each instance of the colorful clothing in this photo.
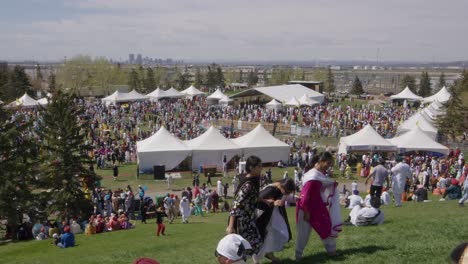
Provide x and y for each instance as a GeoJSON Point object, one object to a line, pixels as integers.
{"type": "Point", "coordinates": [243, 208]}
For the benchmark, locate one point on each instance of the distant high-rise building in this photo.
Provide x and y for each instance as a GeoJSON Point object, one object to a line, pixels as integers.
{"type": "Point", "coordinates": [131, 58]}
{"type": "Point", "coordinates": [139, 60]}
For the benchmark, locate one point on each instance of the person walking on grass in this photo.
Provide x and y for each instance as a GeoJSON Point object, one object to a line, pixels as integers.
{"type": "Point", "coordinates": [242, 216]}
{"type": "Point", "coordinates": [161, 228]}
{"type": "Point", "coordinates": [184, 209]}
{"type": "Point", "coordinates": [378, 175]}
{"type": "Point", "coordinates": [401, 173]}
{"type": "Point", "coordinates": [318, 207]}
{"type": "Point", "coordinates": [115, 172]}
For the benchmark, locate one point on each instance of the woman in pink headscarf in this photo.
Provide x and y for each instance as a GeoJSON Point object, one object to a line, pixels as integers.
{"type": "Point", "coordinates": [318, 207]}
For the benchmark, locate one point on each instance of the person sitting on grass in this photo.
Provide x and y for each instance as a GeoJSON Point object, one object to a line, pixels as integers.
{"type": "Point", "coordinates": [385, 197]}
{"type": "Point", "coordinates": [453, 191]}
{"type": "Point", "coordinates": [67, 239]}
{"type": "Point", "coordinates": [365, 216]}
{"type": "Point", "coordinates": [355, 199]}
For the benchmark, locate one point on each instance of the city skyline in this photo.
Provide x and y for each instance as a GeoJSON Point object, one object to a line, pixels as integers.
{"type": "Point", "coordinates": [212, 30]}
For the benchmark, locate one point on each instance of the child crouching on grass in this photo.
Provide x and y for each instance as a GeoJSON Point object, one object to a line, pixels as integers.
{"type": "Point", "coordinates": [159, 221]}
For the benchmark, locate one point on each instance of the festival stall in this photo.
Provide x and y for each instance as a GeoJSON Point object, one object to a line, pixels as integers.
{"type": "Point", "coordinates": [443, 96]}
{"type": "Point", "coordinates": [365, 140]}
{"type": "Point", "coordinates": [210, 148]}
{"type": "Point", "coordinates": [161, 148]}
{"type": "Point", "coordinates": [261, 143]}
{"type": "Point", "coordinates": [24, 101]}
{"type": "Point", "coordinates": [417, 140]}
{"type": "Point", "coordinates": [406, 94]}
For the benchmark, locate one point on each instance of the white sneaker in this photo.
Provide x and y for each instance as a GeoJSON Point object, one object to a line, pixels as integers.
{"type": "Point", "coordinates": [441, 200]}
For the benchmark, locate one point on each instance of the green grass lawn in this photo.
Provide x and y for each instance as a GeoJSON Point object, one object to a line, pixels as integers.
{"type": "Point", "coordinates": [414, 233]}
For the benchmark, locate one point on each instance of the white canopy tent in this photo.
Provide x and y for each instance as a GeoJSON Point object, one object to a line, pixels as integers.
{"type": "Point", "coordinates": [417, 140]}
{"type": "Point", "coordinates": [192, 91]}
{"type": "Point", "coordinates": [305, 100]}
{"type": "Point", "coordinates": [215, 97]}
{"type": "Point", "coordinates": [366, 139]}
{"type": "Point", "coordinates": [293, 102]}
{"type": "Point", "coordinates": [443, 96]}
{"type": "Point", "coordinates": [161, 148]}
{"type": "Point", "coordinates": [282, 93]}
{"type": "Point", "coordinates": [261, 143]}
{"type": "Point", "coordinates": [157, 94]}
{"type": "Point", "coordinates": [24, 101]}
{"type": "Point", "coordinates": [114, 98]}
{"type": "Point", "coordinates": [119, 97]}
{"type": "Point", "coordinates": [136, 96]}
{"type": "Point", "coordinates": [225, 100]}
{"type": "Point", "coordinates": [274, 105]}
{"type": "Point", "coordinates": [406, 94]}
{"type": "Point", "coordinates": [210, 148]}
{"type": "Point", "coordinates": [418, 119]}
{"type": "Point", "coordinates": [173, 93]}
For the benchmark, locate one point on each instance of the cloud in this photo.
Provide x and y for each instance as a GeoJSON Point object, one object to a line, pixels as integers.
{"type": "Point", "coordinates": [268, 30]}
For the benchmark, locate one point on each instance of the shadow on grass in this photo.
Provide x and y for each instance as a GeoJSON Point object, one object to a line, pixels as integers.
{"type": "Point", "coordinates": [341, 255]}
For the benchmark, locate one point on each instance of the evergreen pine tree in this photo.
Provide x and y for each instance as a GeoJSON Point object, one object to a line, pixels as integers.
{"type": "Point", "coordinates": [150, 81]}
{"type": "Point", "coordinates": [219, 77]}
{"type": "Point", "coordinates": [330, 83]}
{"type": "Point", "coordinates": [18, 166]}
{"type": "Point", "coordinates": [442, 82]}
{"type": "Point", "coordinates": [133, 81]}
{"type": "Point", "coordinates": [211, 81]}
{"type": "Point", "coordinates": [455, 121]}
{"type": "Point", "coordinates": [65, 156]}
{"type": "Point", "coordinates": [52, 83]}
{"type": "Point", "coordinates": [357, 86]}
{"type": "Point", "coordinates": [424, 85]}
{"type": "Point", "coordinates": [198, 78]}
{"type": "Point", "coordinates": [408, 81]}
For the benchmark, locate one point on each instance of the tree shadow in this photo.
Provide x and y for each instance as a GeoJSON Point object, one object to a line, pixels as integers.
{"type": "Point", "coordinates": [341, 255]}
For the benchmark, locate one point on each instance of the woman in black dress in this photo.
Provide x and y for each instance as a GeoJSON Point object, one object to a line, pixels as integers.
{"type": "Point", "coordinates": [242, 216]}
{"type": "Point", "coordinates": [273, 220]}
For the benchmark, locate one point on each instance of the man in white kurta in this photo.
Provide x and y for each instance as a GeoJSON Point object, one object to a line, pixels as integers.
{"type": "Point", "coordinates": [369, 215]}
{"type": "Point", "coordinates": [184, 209]}
{"type": "Point", "coordinates": [401, 172]}
{"type": "Point", "coordinates": [219, 186]}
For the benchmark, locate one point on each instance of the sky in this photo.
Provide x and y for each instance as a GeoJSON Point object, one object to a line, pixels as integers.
{"type": "Point", "coordinates": [222, 30]}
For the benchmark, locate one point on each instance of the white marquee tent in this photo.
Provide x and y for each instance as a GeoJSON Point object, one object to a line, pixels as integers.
{"type": "Point", "coordinates": [274, 104]}
{"type": "Point", "coordinates": [136, 96]}
{"type": "Point", "coordinates": [418, 119]}
{"type": "Point", "coordinates": [293, 102]}
{"type": "Point", "coordinates": [225, 100]}
{"type": "Point", "coordinates": [406, 94]}
{"type": "Point", "coordinates": [442, 96]}
{"type": "Point", "coordinates": [417, 140]}
{"type": "Point", "coordinates": [192, 91]}
{"type": "Point", "coordinates": [366, 139]}
{"type": "Point", "coordinates": [215, 97]}
{"type": "Point", "coordinates": [261, 143]}
{"type": "Point", "coordinates": [24, 101]}
{"type": "Point", "coordinates": [210, 148]}
{"type": "Point", "coordinates": [282, 93]}
{"type": "Point", "coordinates": [305, 100]}
{"type": "Point", "coordinates": [173, 93]}
{"type": "Point", "coordinates": [157, 94]}
{"type": "Point", "coordinates": [161, 148]}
